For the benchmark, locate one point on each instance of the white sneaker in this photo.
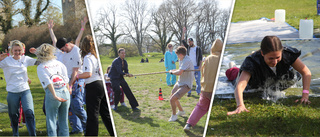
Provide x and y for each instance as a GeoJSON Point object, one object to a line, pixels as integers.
{"type": "Point", "coordinates": [187, 127]}
{"type": "Point", "coordinates": [173, 118]}
{"type": "Point", "coordinates": [180, 113]}
{"type": "Point", "coordinates": [123, 104]}
{"type": "Point", "coordinates": [112, 106]}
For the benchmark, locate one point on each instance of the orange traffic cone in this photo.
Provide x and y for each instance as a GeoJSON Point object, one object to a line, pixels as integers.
{"type": "Point", "coordinates": [160, 94]}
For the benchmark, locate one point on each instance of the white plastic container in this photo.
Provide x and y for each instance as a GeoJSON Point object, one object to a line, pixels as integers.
{"type": "Point", "coordinates": [306, 29]}
{"type": "Point", "coordinates": [280, 15]}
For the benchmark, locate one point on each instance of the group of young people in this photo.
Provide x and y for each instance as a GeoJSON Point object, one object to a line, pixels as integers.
{"type": "Point", "coordinates": [66, 72]}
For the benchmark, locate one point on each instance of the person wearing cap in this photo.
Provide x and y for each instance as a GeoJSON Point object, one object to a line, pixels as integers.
{"type": "Point", "coordinates": [15, 73]}
{"type": "Point", "coordinates": [54, 80]}
{"type": "Point", "coordinates": [69, 55]}
{"type": "Point", "coordinates": [170, 59]}
{"type": "Point", "coordinates": [195, 54]}
{"type": "Point", "coordinates": [208, 73]}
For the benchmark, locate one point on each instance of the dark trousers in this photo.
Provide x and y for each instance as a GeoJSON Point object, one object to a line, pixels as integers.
{"type": "Point", "coordinates": [97, 103]}
{"type": "Point", "coordinates": [116, 83]}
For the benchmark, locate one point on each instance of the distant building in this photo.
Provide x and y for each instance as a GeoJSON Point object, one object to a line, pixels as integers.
{"type": "Point", "coordinates": [73, 10]}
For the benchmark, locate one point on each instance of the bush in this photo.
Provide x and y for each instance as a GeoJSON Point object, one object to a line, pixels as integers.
{"type": "Point", "coordinates": [36, 35]}
{"type": "Point", "coordinates": [131, 50]}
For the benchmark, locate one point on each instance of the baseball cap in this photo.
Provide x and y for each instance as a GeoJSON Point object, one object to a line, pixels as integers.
{"type": "Point", "coordinates": [62, 42]}
{"type": "Point", "coordinates": [190, 39]}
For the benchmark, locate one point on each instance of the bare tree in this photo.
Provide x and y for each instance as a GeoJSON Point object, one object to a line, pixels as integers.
{"type": "Point", "coordinates": [223, 23]}
{"type": "Point", "coordinates": [137, 15]}
{"type": "Point", "coordinates": [161, 24]}
{"type": "Point", "coordinates": [108, 26]}
{"type": "Point", "coordinates": [7, 12]}
{"type": "Point", "coordinates": [206, 21]}
{"type": "Point", "coordinates": [181, 13]}
{"type": "Point", "coordinates": [41, 6]}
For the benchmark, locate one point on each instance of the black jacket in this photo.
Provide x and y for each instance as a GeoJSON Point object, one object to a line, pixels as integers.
{"type": "Point", "coordinates": [198, 52]}
{"type": "Point", "coordinates": [116, 70]}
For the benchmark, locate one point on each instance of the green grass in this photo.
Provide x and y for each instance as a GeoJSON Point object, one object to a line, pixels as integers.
{"type": "Point", "coordinates": [266, 118]}
{"type": "Point", "coordinates": [154, 115]}
{"type": "Point", "coordinates": [38, 95]}
{"type": "Point", "coordinates": [245, 10]}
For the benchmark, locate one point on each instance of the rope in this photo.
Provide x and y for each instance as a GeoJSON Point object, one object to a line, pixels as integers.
{"type": "Point", "coordinates": [162, 72]}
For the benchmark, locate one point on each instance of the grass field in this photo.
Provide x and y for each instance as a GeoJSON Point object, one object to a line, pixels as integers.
{"type": "Point", "coordinates": [38, 95]}
{"type": "Point", "coordinates": [245, 10]}
{"type": "Point", "coordinates": [267, 118]}
{"type": "Point", "coordinates": [154, 115]}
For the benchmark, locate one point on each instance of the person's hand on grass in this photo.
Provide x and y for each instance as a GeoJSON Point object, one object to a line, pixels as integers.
{"type": "Point", "coordinates": [304, 99]}
{"type": "Point", "coordinates": [240, 108]}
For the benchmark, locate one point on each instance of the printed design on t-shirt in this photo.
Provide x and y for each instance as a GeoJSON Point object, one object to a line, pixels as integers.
{"type": "Point", "coordinates": [57, 80]}
{"type": "Point", "coordinates": [78, 62]}
{"type": "Point", "coordinates": [70, 58]}
{"type": "Point", "coordinates": [85, 68]}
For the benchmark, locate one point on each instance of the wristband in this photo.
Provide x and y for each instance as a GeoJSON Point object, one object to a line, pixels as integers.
{"type": "Point", "coordinates": [82, 28]}
{"type": "Point", "coordinates": [70, 87]}
{"type": "Point", "coordinates": [305, 91]}
{"type": "Point", "coordinates": [77, 76]}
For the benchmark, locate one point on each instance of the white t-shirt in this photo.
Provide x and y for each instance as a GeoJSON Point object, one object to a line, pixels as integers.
{"type": "Point", "coordinates": [71, 60]}
{"type": "Point", "coordinates": [107, 76]}
{"type": "Point", "coordinates": [52, 72]}
{"type": "Point", "coordinates": [186, 78]}
{"type": "Point", "coordinates": [15, 73]}
{"type": "Point", "coordinates": [90, 64]}
{"type": "Point", "coordinates": [193, 55]}
{"type": "Point", "coordinates": [274, 69]}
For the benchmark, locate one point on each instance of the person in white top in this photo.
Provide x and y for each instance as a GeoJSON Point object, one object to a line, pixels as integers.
{"type": "Point", "coordinates": [69, 55]}
{"type": "Point", "coordinates": [54, 80]}
{"type": "Point", "coordinates": [95, 91]}
{"type": "Point", "coordinates": [15, 72]}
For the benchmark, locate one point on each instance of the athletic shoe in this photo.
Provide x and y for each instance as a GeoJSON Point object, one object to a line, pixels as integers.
{"type": "Point", "coordinates": [123, 104]}
{"type": "Point", "coordinates": [135, 109]}
{"type": "Point", "coordinates": [173, 118]}
{"type": "Point", "coordinates": [112, 106]}
{"type": "Point", "coordinates": [187, 127]}
{"type": "Point", "coordinates": [180, 113]}
{"type": "Point", "coordinates": [115, 108]}
{"type": "Point", "coordinates": [189, 94]}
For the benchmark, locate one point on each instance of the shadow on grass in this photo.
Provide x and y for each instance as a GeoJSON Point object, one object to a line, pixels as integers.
{"type": "Point", "coordinates": [135, 116]}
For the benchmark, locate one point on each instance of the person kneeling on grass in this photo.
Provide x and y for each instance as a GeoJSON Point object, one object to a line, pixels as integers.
{"type": "Point", "coordinates": [184, 83]}
{"type": "Point", "coordinates": [208, 73]}
{"type": "Point", "coordinates": [271, 68]}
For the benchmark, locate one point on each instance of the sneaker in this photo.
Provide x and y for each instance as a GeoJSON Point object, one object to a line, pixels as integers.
{"type": "Point", "coordinates": [23, 123]}
{"type": "Point", "coordinates": [123, 104]}
{"type": "Point", "coordinates": [135, 109]}
{"type": "Point", "coordinates": [180, 113]}
{"type": "Point", "coordinates": [189, 94]}
{"type": "Point", "coordinates": [112, 106]}
{"type": "Point", "coordinates": [187, 127]}
{"type": "Point", "coordinates": [173, 118]}
{"type": "Point", "coordinates": [115, 108]}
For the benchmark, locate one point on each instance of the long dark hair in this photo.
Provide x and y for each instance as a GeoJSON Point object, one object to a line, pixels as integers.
{"type": "Point", "coordinates": [87, 46]}
{"type": "Point", "coordinates": [270, 44]}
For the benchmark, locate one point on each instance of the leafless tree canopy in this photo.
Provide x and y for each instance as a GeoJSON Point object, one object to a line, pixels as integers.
{"type": "Point", "coordinates": [108, 25]}
{"type": "Point", "coordinates": [204, 21]}
{"type": "Point", "coordinates": [137, 14]}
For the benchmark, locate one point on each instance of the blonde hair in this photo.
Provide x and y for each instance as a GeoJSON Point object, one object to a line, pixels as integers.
{"type": "Point", "coordinates": [45, 53]}
{"type": "Point", "coordinates": [16, 43]}
{"type": "Point", "coordinates": [169, 45]}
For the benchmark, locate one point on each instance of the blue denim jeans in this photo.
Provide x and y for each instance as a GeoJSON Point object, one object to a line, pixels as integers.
{"type": "Point", "coordinates": [13, 100]}
{"type": "Point", "coordinates": [78, 115]}
{"type": "Point", "coordinates": [197, 77]}
{"type": "Point", "coordinates": [55, 109]}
